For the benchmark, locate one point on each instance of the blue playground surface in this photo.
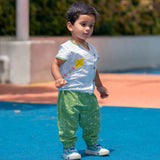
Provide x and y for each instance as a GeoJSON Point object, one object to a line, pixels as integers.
{"type": "Point", "coordinates": [155, 70]}
{"type": "Point", "coordinates": [29, 132]}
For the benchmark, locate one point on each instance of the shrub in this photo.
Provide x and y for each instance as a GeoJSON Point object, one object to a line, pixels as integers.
{"type": "Point", "coordinates": [116, 17]}
{"type": "Point", "coordinates": [7, 17]}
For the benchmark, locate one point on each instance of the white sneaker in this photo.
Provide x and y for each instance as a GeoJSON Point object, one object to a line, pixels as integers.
{"type": "Point", "coordinates": [71, 153]}
{"type": "Point", "coordinates": [97, 150]}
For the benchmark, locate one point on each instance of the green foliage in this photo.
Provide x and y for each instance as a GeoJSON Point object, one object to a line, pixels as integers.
{"type": "Point", "coordinates": [116, 17]}
{"type": "Point", "coordinates": [7, 17]}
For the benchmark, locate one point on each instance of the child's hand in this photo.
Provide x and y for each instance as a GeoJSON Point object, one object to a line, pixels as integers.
{"type": "Point", "coordinates": [103, 92]}
{"type": "Point", "coordinates": [60, 82]}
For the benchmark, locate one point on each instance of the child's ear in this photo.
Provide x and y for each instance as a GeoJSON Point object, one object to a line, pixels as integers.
{"type": "Point", "coordinates": [69, 26]}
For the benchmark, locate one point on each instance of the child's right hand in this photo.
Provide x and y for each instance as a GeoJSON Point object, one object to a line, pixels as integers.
{"type": "Point", "coordinates": [60, 82]}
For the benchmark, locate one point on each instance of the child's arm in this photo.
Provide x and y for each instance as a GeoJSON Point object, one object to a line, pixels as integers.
{"type": "Point", "coordinates": [59, 80]}
{"type": "Point", "coordinates": [101, 89]}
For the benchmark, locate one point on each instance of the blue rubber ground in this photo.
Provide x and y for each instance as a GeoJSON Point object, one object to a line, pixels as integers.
{"type": "Point", "coordinates": [155, 70]}
{"type": "Point", "coordinates": [29, 132]}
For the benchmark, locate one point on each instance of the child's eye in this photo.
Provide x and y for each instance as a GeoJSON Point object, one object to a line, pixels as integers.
{"type": "Point", "coordinates": [91, 26]}
{"type": "Point", "coordinates": [83, 24]}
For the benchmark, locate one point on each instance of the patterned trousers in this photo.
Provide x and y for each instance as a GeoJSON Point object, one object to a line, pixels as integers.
{"type": "Point", "coordinates": [77, 108]}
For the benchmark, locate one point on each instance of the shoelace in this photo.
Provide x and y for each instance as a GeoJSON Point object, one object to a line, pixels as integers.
{"type": "Point", "coordinates": [70, 150]}
{"type": "Point", "coordinates": [96, 147]}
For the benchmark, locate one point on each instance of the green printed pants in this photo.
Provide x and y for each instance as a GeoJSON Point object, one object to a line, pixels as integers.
{"type": "Point", "coordinates": [75, 108]}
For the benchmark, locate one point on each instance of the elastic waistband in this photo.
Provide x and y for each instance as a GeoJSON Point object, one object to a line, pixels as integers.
{"type": "Point", "coordinates": [76, 92]}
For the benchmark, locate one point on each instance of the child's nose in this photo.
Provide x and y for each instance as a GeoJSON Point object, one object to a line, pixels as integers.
{"type": "Point", "coordinates": [87, 28]}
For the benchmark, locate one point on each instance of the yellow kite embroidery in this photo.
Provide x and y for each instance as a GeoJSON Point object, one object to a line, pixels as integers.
{"type": "Point", "coordinates": [79, 62]}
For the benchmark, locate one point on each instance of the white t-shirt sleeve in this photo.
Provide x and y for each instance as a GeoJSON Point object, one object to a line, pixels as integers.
{"type": "Point", "coordinates": [63, 53]}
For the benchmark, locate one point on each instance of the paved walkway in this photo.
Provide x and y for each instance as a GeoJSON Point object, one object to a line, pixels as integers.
{"type": "Point", "coordinates": [135, 90]}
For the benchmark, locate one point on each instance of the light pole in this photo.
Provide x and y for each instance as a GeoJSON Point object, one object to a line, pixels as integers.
{"type": "Point", "coordinates": [22, 20]}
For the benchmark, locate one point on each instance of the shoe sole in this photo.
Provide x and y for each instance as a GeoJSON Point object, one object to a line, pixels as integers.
{"type": "Point", "coordinates": [103, 153]}
{"type": "Point", "coordinates": [72, 157]}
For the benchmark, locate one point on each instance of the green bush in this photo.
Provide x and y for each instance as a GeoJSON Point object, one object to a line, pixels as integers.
{"type": "Point", "coordinates": [7, 17]}
{"type": "Point", "coordinates": [116, 17]}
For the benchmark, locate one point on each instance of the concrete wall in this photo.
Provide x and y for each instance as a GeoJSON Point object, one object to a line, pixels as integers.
{"type": "Point", "coordinates": [30, 61]}
{"type": "Point", "coordinates": [122, 53]}
{"type": "Point", "coordinates": [18, 54]}
{"type": "Point", "coordinates": [42, 55]}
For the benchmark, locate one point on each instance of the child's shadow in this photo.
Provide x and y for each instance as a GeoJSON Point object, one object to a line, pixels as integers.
{"type": "Point", "coordinates": [83, 154]}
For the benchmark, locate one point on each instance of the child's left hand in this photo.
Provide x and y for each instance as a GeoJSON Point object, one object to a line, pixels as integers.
{"type": "Point", "coordinates": [103, 92]}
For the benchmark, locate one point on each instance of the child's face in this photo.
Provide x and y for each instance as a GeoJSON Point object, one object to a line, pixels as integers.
{"type": "Point", "coordinates": [82, 28]}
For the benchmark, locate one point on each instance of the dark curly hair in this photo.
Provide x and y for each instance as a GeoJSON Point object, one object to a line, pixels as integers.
{"type": "Point", "coordinates": [80, 8]}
